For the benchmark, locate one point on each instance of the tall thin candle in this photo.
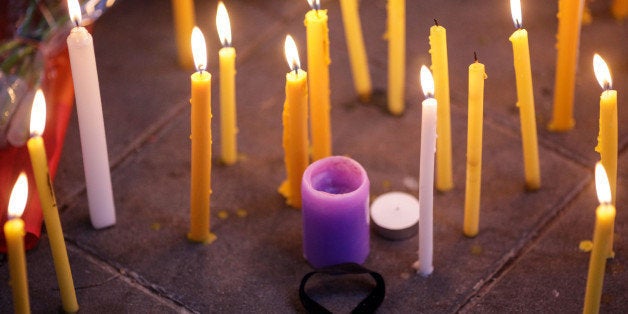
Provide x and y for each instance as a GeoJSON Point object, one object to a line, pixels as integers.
{"type": "Point", "coordinates": [295, 143]}
{"type": "Point", "coordinates": [477, 75]}
{"type": "Point", "coordinates": [14, 234]}
{"type": "Point", "coordinates": [201, 114]}
{"type": "Point", "coordinates": [39, 161]}
{"type": "Point", "coordinates": [396, 35]}
{"type": "Point", "coordinates": [426, 174]}
{"type": "Point", "coordinates": [184, 20]}
{"type": "Point", "coordinates": [227, 56]}
{"type": "Point", "coordinates": [102, 211]}
{"type": "Point", "coordinates": [355, 46]}
{"type": "Point", "coordinates": [525, 99]}
{"type": "Point", "coordinates": [318, 79]}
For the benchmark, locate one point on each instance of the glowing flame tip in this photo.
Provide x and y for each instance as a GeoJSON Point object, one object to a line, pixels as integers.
{"type": "Point", "coordinates": [223, 24]}
{"type": "Point", "coordinates": [427, 82]}
{"type": "Point", "coordinates": [602, 186]}
{"type": "Point", "coordinates": [75, 11]}
{"type": "Point", "coordinates": [515, 10]}
{"type": "Point", "coordinates": [199, 49]}
{"type": "Point", "coordinates": [602, 72]}
{"type": "Point", "coordinates": [38, 114]}
{"type": "Point", "coordinates": [19, 195]}
{"type": "Point", "coordinates": [292, 54]}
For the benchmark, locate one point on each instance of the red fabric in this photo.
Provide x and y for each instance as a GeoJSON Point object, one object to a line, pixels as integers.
{"type": "Point", "coordinates": [59, 93]}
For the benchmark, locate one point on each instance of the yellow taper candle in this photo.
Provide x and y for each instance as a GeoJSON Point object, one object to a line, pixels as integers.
{"type": "Point", "coordinates": [619, 9]}
{"type": "Point", "coordinates": [569, 22]}
{"type": "Point", "coordinates": [318, 81]}
{"type": "Point", "coordinates": [201, 143]}
{"type": "Point", "coordinates": [14, 235]}
{"type": "Point", "coordinates": [604, 221]}
{"type": "Point", "coordinates": [227, 56]}
{"type": "Point", "coordinates": [477, 75]}
{"type": "Point", "coordinates": [525, 99]}
{"type": "Point", "coordinates": [355, 46]}
{"type": "Point", "coordinates": [396, 35]}
{"type": "Point", "coordinates": [295, 143]}
{"type": "Point", "coordinates": [184, 20]}
{"type": "Point", "coordinates": [39, 162]}
{"type": "Point", "coordinates": [608, 137]}
{"type": "Point", "coordinates": [440, 70]}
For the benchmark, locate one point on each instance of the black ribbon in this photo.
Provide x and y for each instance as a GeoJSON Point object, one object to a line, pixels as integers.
{"type": "Point", "coordinates": [367, 305]}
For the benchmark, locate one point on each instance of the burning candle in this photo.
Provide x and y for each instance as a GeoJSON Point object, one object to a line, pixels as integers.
{"type": "Point", "coordinates": [477, 75]}
{"type": "Point", "coordinates": [355, 46]}
{"type": "Point", "coordinates": [396, 34]}
{"type": "Point", "coordinates": [102, 211]}
{"type": "Point", "coordinates": [201, 114]}
{"type": "Point", "coordinates": [525, 99]}
{"type": "Point", "coordinates": [569, 22]}
{"type": "Point", "coordinates": [426, 175]}
{"type": "Point", "coordinates": [295, 143]}
{"type": "Point", "coordinates": [440, 69]}
{"type": "Point", "coordinates": [14, 234]}
{"type": "Point", "coordinates": [184, 20]}
{"type": "Point", "coordinates": [335, 212]}
{"type": "Point", "coordinates": [607, 139]}
{"type": "Point", "coordinates": [602, 240]}
{"type": "Point", "coordinates": [39, 162]}
{"type": "Point", "coordinates": [318, 82]}
{"type": "Point", "coordinates": [227, 55]}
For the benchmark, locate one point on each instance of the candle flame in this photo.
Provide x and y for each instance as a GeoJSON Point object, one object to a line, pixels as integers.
{"type": "Point", "coordinates": [38, 114]}
{"type": "Point", "coordinates": [223, 25]}
{"type": "Point", "coordinates": [315, 4]}
{"type": "Point", "coordinates": [292, 54]}
{"type": "Point", "coordinates": [427, 82]}
{"type": "Point", "coordinates": [199, 49]}
{"type": "Point", "coordinates": [602, 73]}
{"type": "Point", "coordinates": [19, 195]}
{"type": "Point", "coordinates": [515, 10]}
{"type": "Point", "coordinates": [75, 12]}
{"type": "Point", "coordinates": [602, 186]}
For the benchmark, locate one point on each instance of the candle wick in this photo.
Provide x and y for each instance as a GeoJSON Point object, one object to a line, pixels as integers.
{"type": "Point", "coordinates": [436, 22]}
{"type": "Point", "coordinates": [76, 23]}
{"type": "Point", "coordinates": [475, 56]}
{"type": "Point", "coordinates": [607, 85]}
{"type": "Point", "coordinates": [518, 24]}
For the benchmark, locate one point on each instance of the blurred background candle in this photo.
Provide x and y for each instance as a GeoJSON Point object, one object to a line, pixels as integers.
{"type": "Point", "coordinates": [426, 174]}
{"type": "Point", "coordinates": [355, 46]}
{"type": "Point", "coordinates": [569, 22]}
{"type": "Point", "coordinates": [602, 240]}
{"type": "Point", "coordinates": [227, 56]}
{"type": "Point", "coordinates": [184, 21]}
{"type": "Point", "coordinates": [440, 70]}
{"type": "Point", "coordinates": [525, 99]}
{"type": "Point", "coordinates": [39, 162]}
{"type": "Point", "coordinates": [619, 9]}
{"type": "Point", "coordinates": [335, 212]}
{"type": "Point", "coordinates": [396, 35]}
{"type": "Point", "coordinates": [102, 211]}
{"type": "Point", "coordinates": [201, 114]}
{"type": "Point", "coordinates": [14, 235]}
{"type": "Point", "coordinates": [477, 75]}
{"type": "Point", "coordinates": [318, 79]}
{"type": "Point", "coordinates": [295, 141]}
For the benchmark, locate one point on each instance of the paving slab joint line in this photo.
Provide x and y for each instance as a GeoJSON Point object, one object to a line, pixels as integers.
{"type": "Point", "coordinates": [130, 149]}
{"type": "Point", "coordinates": [484, 285]}
{"type": "Point", "coordinates": [129, 277]}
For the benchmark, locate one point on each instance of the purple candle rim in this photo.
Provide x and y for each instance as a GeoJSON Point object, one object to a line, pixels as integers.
{"type": "Point", "coordinates": [335, 166]}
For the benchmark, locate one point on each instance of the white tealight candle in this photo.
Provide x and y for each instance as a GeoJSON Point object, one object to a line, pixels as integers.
{"type": "Point", "coordinates": [395, 215]}
{"type": "Point", "coordinates": [91, 124]}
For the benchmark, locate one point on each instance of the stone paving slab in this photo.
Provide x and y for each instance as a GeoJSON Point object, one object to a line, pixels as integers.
{"type": "Point", "coordinates": [551, 276]}
{"type": "Point", "coordinates": [256, 263]}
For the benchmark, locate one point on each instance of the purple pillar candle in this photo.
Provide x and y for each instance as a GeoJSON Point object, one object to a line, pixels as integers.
{"type": "Point", "coordinates": [335, 193]}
